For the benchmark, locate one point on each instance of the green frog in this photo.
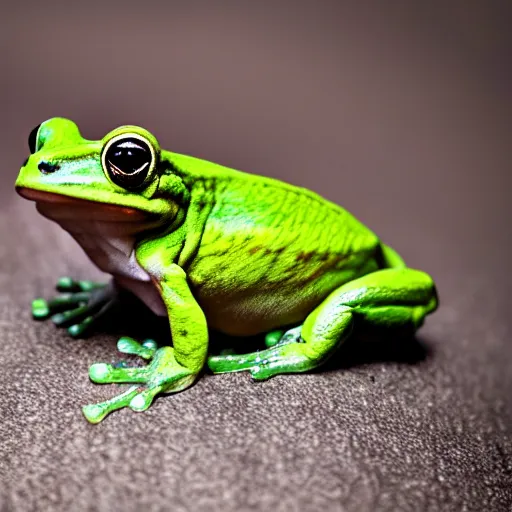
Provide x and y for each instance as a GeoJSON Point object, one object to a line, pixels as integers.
{"type": "Point", "coordinates": [210, 248]}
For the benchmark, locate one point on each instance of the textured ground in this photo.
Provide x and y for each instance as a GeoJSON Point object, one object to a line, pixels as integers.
{"type": "Point", "coordinates": [402, 117]}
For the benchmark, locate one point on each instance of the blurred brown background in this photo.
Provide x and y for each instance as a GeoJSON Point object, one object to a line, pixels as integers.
{"type": "Point", "coordinates": [402, 114]}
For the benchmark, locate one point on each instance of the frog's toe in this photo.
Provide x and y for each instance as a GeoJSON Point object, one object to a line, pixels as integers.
{"type": "Point", "coordinates": [144, 399]}
{"type": "Point", "coordinates": [283, 358]}
{"type": "Point", "coordinates": [79, 320]}
{"type": "Point", "coordinates": [40, 309]}
{"type": "Point", "coordinates": [232, 363]}
{"type": "Point", "coordinates": [77, 330]}
{"type": "Point", "coordinates": [257, 363]}
{"type": "Point", "coordinates": [94, 413]}
{"type": "Point", "coordinates": [103, 373]}
{"type": "Point", "coordinates": [70, 317]}
{"type": "Point", "coordinates": [145, 350]}
{"type": "Point", "coordinates": [68, 284]}
{"type": "Point", "coordinates": [43, 309]}
{"type": "Point", "coordinates": [136, 399]}
{"type": "Point", "coordinates": [272, 338]}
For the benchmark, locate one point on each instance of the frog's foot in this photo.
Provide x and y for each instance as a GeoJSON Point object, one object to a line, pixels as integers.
{"type": "Point", "coordinates": [285, 354]}
{"type": "Point", "coordinates": [80, 305]}
{"type": "Point", "coordinates": [162, 375]}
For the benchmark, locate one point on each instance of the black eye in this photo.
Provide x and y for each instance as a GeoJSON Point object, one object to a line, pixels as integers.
{"type": "Point", "coordinates": [128, 162]}
{"type": "Point", "coordinates": [32, 139]}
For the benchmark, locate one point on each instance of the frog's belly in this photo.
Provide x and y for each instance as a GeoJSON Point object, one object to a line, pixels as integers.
{"type": "Point", "coordinates": [250, 315]}
{"type": "Point", "coordinates": [246, 303]}
{"type": "Point", "coordinates": [246, 313]}
{"type": "Point", "coordinates": [116, 256]}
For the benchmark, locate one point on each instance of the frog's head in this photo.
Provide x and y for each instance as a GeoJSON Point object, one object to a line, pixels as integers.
{"type": "Point", "coordinates": [123, 170]}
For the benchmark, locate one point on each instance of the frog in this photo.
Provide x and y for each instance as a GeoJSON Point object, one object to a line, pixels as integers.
{"type": "Point", "coordinates": [212, 249]}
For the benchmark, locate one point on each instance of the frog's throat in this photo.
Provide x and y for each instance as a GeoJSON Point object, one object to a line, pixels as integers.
{"type": "Point", "coordinates": [106, 211]}
{"type": "Point", "coordinates": [108, 235]}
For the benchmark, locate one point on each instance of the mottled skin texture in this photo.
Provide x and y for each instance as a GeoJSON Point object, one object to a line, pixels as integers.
{"type": "Point", "coordinates": [211, 247]}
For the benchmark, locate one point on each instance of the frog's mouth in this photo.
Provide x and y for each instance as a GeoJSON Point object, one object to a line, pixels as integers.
{"type": "Point", "coordinates": [47, 202]}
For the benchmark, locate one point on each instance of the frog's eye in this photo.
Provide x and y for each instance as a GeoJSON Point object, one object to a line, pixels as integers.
{"type": "Point", "coordinates": [32, 139]}
{"type": "Point", "coordinates": [128, 161]}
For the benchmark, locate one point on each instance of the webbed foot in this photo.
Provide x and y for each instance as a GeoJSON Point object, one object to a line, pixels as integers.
{"type": "Point", "coordinates": [162, 375]}
{"type": "Point", "coordinates": [79, 307]}
{"type": "Point", "coordinates": [284, 355]}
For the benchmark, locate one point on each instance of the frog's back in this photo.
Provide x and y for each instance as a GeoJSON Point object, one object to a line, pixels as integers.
{"type": "Point", "coordinates": [271, 251]}
{"type": "Point", "coordinates": [276, 215]}
{"type": "Point", "coordinates": [268, 214]}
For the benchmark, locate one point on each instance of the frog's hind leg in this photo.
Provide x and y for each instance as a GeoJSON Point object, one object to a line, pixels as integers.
{"type": "Point", "coordinates": [394, 298]}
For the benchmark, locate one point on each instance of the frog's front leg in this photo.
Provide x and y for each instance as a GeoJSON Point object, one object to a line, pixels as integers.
{"type": "Point", "coordinates": [79, 306]}
{"type": "Point", "coordinates": [171, 369]}
{"type": "Point", "coordinates": [390, 298]}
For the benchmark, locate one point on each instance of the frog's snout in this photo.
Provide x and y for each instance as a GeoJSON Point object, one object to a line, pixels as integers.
{"type": "Point", "coordinates": [47, 167]}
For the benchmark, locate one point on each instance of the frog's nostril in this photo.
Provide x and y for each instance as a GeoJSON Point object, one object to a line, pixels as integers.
{"type": "Point", "coordinates": [47, 168]}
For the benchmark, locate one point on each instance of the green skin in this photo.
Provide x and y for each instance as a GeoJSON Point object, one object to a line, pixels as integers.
{"type": "Point", "coordinates": [235, 252]}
